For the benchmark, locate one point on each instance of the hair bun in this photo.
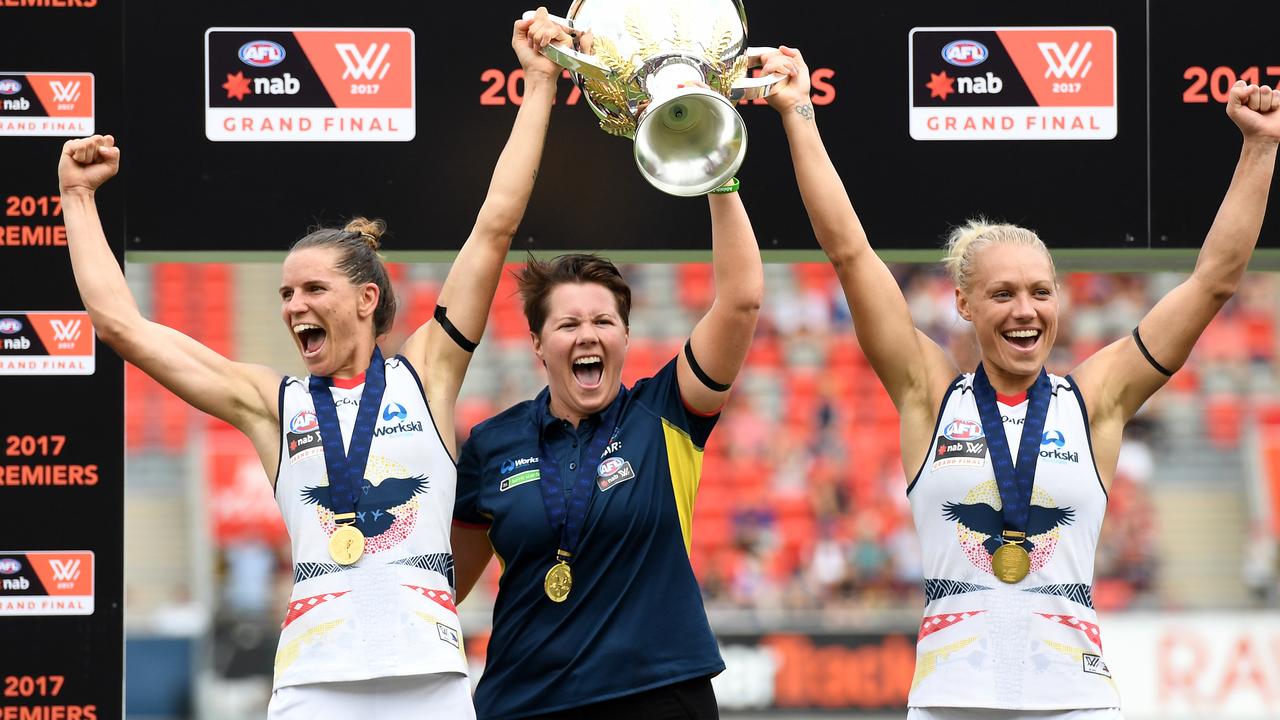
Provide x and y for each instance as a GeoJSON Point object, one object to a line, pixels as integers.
{"type": "Point", "coordinates": [369, 230]}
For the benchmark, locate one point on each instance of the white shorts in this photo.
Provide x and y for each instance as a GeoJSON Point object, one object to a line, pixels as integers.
{"type": "Point", "coordinates": [443, 695]}
{"type": "Point", "coordinates": [947, 713]}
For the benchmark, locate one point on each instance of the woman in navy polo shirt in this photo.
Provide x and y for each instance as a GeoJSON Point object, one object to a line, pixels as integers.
{"type": "Point", "coordinates": [586, 494]}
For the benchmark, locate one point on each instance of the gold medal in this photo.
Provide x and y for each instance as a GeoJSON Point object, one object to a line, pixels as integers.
{"type": "Point", "coordinates": [559, 582]}
{"type": "Point", "coordinates": [346, 544]}
{"type": "Point", "coordinates": [1010, 563]}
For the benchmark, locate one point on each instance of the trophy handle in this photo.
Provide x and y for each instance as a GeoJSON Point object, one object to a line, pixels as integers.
{"type": "Point", "coordinates": [567, 57]}
{"type": "Point", "coordinates": [752, 88]}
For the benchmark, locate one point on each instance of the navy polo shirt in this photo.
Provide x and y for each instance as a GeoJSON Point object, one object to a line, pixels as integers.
{"type": "Point", "coordinates": [634, 619]}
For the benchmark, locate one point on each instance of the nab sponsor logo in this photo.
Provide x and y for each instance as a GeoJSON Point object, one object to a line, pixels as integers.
{"type": "Point", "coordinates": [394, 411]}
{"type": "Point", "coordinates": [9, 566]}
{"type": "Point", "coordinates": [963, 430]}
{"type": "Point", "coordinates": [17, 344]}
{"type": "Point", "coordinates": [304, 421]}
{"type": "Point", "coordinates": [261, 53]}
{"type": "Point", "coordinates": [965, 53]}
{"type": "Point", "coordinates": [971, 452]}
{"type": "Point", "coordinates": [19, 104]}
{"type": "Point", "coordinates": [988, 84]}
{"type": "Point", "coordinates": [510, 465]}
{"type": "Point", "coordinates": [9, 86]}
{"type": "Point", "coordinates": [284, 85]}
{"type": "Point", "coordinates": [16, 584]}
{"type": "Point", "coordinates": [9, 326]}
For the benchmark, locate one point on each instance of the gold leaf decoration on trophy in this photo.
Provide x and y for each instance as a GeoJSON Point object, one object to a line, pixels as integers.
{"type": "Point", "coordinates": [680, 39]}
{"type": "Point", "coordinates": [735, 74]}
{"type": "Point", "coordinates": [722, 38]}
{"type": "Point", "coordinates": [608, 92]}
{"type": "Point", "coordinates": [618, 126]}
{"type": "Point", "coordinates": [635, 28]}
{"type": "Point", "coordinates": [610, 99]}
{"type": "Point", "coordinates": [609, 54]}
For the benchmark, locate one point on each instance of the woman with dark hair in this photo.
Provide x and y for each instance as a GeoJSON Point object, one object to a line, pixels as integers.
{"type": "Point", "coordinates": [1011, 464]}
{"type": "Point", "coordinates": [361, 451]}
{"type": "Point", "coordinates": [586, 494]}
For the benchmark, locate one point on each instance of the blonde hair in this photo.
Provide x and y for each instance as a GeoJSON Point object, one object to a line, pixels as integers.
{"type": "Point", "coordinates": [978, 233]}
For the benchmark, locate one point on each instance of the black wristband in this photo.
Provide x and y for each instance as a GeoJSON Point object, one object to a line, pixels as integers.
{"type": "Point", "coordinates": [1143, 349]}
{"type": "Point", "coordinates": [698, 372]}
{"type": "Point", "coordinates": [453, 332]}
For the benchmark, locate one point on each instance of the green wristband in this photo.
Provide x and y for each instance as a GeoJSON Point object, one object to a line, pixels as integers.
{"type": "Point", "coordinates": [729, 187]}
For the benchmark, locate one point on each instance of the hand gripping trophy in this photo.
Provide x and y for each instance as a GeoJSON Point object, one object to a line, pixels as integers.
{"type": "Point", "coordinates": [666, 74]}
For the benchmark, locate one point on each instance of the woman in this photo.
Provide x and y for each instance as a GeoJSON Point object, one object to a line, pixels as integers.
{"type": "Point", "coordinates": [1010, 464]}
{"type": "Point", "coordinates": [586, 493]}
{"type": "Point", "coordinates": [371, 630]}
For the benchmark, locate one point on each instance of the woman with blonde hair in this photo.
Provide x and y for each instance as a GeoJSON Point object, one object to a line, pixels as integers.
{"type": "Point", "coordinates": [1011, 464]}
{"type": "Point", "coordinates": [361, 452]}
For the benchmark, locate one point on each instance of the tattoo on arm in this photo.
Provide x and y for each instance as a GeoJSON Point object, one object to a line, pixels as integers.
{"type": "Point", "coordinates": [805, 110]}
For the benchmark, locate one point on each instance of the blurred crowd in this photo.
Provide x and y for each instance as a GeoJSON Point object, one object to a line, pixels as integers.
{"type": "Point", "coordinates": [802, 502]}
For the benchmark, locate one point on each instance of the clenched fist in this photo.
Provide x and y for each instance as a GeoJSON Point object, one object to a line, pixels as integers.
{"type": "Point", "coordinates": [87, 163]}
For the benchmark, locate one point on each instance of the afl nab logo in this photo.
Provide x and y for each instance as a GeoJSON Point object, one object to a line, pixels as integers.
{"type": "Point", "coordinates": [9, 86]}
{"type": "Point", "coordinates": [261, 53]}
{"type": "Point", "coordinates": [304, 421]}
{"type": "Point", "coordinates": [963, 430]}
{"type": "Point", "coordinates": [965, 53]}
{"type": "Point", "coordinates": [9, 326]}
{"type": "Point", "coordinates": [9, 566]}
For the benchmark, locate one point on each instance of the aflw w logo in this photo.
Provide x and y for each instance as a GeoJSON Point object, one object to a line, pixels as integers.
{"type": "Point", "coordinates": [66, 330]}
{"type": "Point", "coordinates": [65, 92]}
{"type": "Point", "coordinates": [364, 66]}
{"type": "Point", "coordinates": [1068, 63]}
{"type": "Point", "coordinates": [65, 570]}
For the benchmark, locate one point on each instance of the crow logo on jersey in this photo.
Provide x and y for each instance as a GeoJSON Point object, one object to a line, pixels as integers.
{"type": "Point", "coordinates": [979, 525]}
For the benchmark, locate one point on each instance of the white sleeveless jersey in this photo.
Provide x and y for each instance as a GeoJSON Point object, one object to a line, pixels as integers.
{"type": "Point", "coordinates": [392, 612]}
{"type": "Point", "coordinates": [1035, 644]}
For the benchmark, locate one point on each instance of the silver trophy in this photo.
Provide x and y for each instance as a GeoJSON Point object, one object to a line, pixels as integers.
{"type": "Point", "coordinates": [666, 74]}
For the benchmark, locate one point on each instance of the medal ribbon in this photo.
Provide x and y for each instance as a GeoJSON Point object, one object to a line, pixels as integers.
{"type": "Point", "coordinates": [346, 469]}
{"type": "Point", "coordinates": [1014, 482]}
{"type": "Point", "coordinates": [567, 518]}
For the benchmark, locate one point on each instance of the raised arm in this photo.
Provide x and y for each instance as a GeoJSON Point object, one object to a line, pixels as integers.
{"type": "Point", "coordinates": [468, 290]}
{"type": "Point", "coordinates": [913, 369]}
{"type": "Point", "coordinates": [1118, 379]}
{"type": "Point", "coordinates": [243, 395]}
{"type": "Point", "coordinates": [720, 340]}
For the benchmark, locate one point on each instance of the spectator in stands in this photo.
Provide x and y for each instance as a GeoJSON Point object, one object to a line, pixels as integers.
{"type": "Point", "coordinates": [365, 511]}
{"type": "Point", "coordinates": [1000, 581]}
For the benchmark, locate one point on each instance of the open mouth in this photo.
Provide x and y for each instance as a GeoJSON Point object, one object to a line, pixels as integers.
{"type": "Point", "coordinates": [588, 371]}
{"type": "Point", "coordinates": [312, 338]}
{"type": "Point", "coordinates": [1024, 339]}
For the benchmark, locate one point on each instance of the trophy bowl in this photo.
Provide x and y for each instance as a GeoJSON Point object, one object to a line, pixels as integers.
{"type": "Point", "coordinates": [667, 74]}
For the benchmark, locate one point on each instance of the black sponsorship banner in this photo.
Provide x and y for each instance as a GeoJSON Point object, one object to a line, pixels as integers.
{"type": "Point", "coordinates": [1197, 54]}
{"type": "Point", "coordinates": [265, 188]}
{"type": "Point", "coordinates": [933, 111]}
{"type": "Point", "coordinates": [61, 426]}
